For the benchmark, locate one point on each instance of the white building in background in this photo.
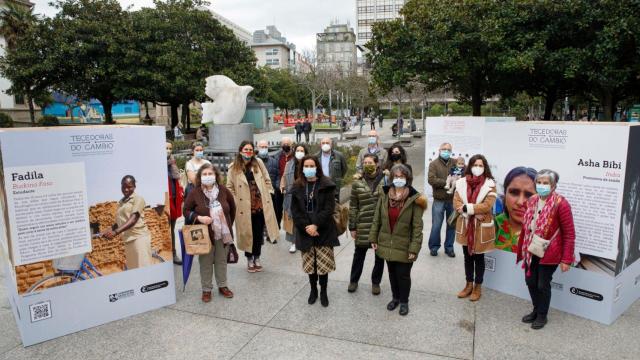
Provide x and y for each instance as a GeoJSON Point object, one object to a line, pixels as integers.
{"type": "Point", "coordinates": [241, 33]}
{"type": "Point", "coordinates": [336, 48]}
{"type": "Point", "coordinates": [14, 106]}
{"type": "Point", "coordinates": [272, 49]}
{"type": "Point", "coordinates": [369, 12]}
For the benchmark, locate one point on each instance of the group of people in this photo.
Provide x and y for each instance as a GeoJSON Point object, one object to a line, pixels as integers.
{"type": "Point", "coordinates": [298, 190]}
{"type": "Point", "coordinates": [302, 127]}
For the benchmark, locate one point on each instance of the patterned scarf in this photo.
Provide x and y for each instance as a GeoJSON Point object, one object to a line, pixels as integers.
{"type": "Point", "coordinates": [474, 184]}
{"type": "Point", "coordinates": [545, 220]}
{"type": "Point", "coordinates": [398, 197]}
{"type": "Point", "coordinates": [173, 168]}
{"type": "Point", "coordinates": [219, 224]}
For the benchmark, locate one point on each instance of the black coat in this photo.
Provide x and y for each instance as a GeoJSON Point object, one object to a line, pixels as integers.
{"type": "Point", "coordinates": [299, 127]}
{"type": "Point", "coordinates": [306, 126]}
{"type": "Point", "coordinates": [321, 217]}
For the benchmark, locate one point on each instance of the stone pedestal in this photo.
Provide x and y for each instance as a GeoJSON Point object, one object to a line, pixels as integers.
{"type": "Point", "coordinates": [227, 138]}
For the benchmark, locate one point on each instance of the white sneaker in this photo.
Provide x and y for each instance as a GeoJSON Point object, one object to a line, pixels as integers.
{"type": "Point", "coordinates": [292, 249]}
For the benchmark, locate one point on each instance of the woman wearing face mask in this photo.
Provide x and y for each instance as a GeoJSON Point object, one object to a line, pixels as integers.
{"type": "Point", "coordinates": [372, 148]}
{"type": "Point", "coordinates": [547, 219]}
{"type": "Point", "coordinates": [312, 206]}
{"type": "Point", "coordinates": [193, 165]}
{"type": "Point", "coordinates": [475, 230]}
{"type": "Point", "coordinates": [519, 186]}
{"type": "Point", "coordinates": [365, 191]}
{"type": "Point", "coordinates": [212, 204]}
{"type": "Point", "coordinates": [176, 197]}
{"type": "Point", "coordinates": [395, 155]}
{"type": "Point", "coordinates": [291, 172]}
{"type": "Point", "coordinates": [396, 233]}
{"type": "Point", "coordinates": [249, 182]}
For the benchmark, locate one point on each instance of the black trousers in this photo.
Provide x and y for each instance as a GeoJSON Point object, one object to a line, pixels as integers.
{"type": "Point", "coordinates": [358, 263]}
{"type": "Point", "coordinates": [278, 199]}
{"type": "Point", "coordinates": [257, 228]}
{"type": "Point", "coordinates": [473, 265]}
{"type": "Point", "coordinates": [539, 284]}
{"type": "Point", "coordinates": [306, 136]}
{"type": "Point", "coordinates": [298, 137]}
{"type": "Point", "coordinates": [400, 280]}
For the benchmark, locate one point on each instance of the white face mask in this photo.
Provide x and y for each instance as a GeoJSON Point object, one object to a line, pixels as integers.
{"type": "Point", "coordinates": [299, 155]}
{"type": "Point", "coordinates": [477, 170]}
{"type": "Point", "coordinates": [399, 182]}
{"type": "Point", "coordinates": [326, 147]}
{"type": "Point", "coordinates": [208, 180]}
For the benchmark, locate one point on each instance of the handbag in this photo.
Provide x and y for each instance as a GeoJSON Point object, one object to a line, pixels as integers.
{"type": "Point", "coordinates": [196, 239]}
{"type": "Point", "coordinates": [538, 246]}
{"type": "Point", "coordinates": [451, 220]}
{"type": "Point", "coordinates": [341, 218]}
{"type": "Point", "coordinates": [232, 254]}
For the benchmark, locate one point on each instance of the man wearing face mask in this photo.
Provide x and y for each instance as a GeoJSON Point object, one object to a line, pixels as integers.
{"type": "Point", "coordinates": [275, 165]}
{"type": "Point", "coordinates": [372, 148]}
{"type": "Point", "coordinates": [442, 201]}
{"type": "Point", "coordinates": [334, 164]}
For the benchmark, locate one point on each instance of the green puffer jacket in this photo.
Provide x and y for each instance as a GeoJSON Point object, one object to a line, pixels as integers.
{"type": "Point", "coordinates": [362, 207]}
{"type": "Point", "coordinates": [407, 233]}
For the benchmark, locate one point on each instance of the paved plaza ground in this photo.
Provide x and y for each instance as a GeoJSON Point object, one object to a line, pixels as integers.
{"type": "Point", "coordinates": [269, 317]}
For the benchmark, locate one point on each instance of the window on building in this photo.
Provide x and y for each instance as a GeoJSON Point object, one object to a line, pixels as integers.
{"type": "Point", "coordinates": [273, 62]}
{"type": "Point", "coordinates": [18, 99]}
{"type": "Point", "coordinates": [274, 51]}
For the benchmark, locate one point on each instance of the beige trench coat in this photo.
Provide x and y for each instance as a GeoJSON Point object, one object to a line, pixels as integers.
{"type": "Point", "coordinates": [484, 227]}
{"type": "Point", "coordinates": [239, 187]}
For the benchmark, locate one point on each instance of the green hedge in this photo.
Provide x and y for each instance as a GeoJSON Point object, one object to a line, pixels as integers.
{"type": "Point", "coordinates": [5, 121]}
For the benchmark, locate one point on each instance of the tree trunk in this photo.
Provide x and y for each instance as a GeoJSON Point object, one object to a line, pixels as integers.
{"type": "Point", "coordinates": [549, 101]}
{"type": "Point", "coordinates": [185, 116]}
{"type": "Point", "coordinates": [32, 110]}
{"type": "Point", "coordinates": [107, 105]}
{"type": "Point", "coordinates": [609, 103]}
{"type": "Point", "coordinates": [174, 114]}
{"type": "Point", "coordinates": [476, 102]}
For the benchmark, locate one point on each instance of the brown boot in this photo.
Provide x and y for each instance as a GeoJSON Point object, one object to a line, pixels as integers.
{"type": "Point", "coordinates": [476, 293]}
{"type": "Point", "coordinates": [466, 291]}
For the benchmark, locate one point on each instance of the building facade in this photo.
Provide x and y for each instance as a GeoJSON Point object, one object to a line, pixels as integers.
{"type": "Point", "coordinates": [369, 12]}
{"type": "Point", "coordinates": [13, 105]}
{"type": "Point", "coordinates": [272, 49]}
{"type": "Point", "coordinates": [241, 33]}
{"type": "Point", "coordinates": [336, 48]}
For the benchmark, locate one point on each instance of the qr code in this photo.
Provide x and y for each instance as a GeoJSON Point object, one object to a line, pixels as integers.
{"type": "Point", "coordinates": [40, 311]}
{"type": "Point", "coordinates": [490, 263]}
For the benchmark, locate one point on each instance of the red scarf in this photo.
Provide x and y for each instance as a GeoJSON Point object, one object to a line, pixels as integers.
{"type": "Point", "coordinates": [474, 184]}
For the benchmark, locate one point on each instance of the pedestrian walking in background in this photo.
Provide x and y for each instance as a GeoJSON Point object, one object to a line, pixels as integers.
{"type": "Point", "coordinates": [546, 241]}
{"type": "Point", "coordinates": [291, 173]}
{"type": "Point", "coordinates": [176, 197]}
{"type": "Point", "coordinates": [396, 233]}
{"type": "Point", "coordinates": [306, 128]}
{"type": "Point", "coordinates": [475, 230]}
{"type": "Point", "coordinates": [312, 206]}
{"type": "Point", "coordinates": [299, 130]}
{"type": "Point", "coordinates": [374, 148]}
{"type": "Point", "coordinates": [365, 191]}
{"type": "Point", "coordinates": [372, 121]}
{"type": "Point", "coordinates": [334, 164]}
{"type": "Point", "coordinates": [442, 208]}
{"type": "Point", "coordinates": [212, 204]}
{"type": "Point", "coordinates": [380, 119]}
{"type": "Point", "coordinates": [249, 182]}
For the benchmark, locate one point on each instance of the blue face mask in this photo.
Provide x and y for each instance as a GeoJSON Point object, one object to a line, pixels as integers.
{"type": "Point", "coordinates": [309, 172]}
{"type": "Point", "coordinates": [445, 154]}
{"type": "Point", "coordinates": [373, 140]}
{"type": "Point", "coordinates": [399, 182]}
{"type": "Point", "coordinates": [199, 154]}
{"type": "Point", "coordinates": [543, 190]}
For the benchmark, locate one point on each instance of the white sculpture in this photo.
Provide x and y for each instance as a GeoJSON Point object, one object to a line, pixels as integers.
{"type": "Point", "coordinates": [229, 101]}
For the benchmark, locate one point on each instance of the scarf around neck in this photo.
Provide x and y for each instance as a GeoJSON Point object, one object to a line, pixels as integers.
{"type": "Point", "coordinates": [172, 168]}
{"type": "Point", "coordinates": [544, 222]}
{"type": "Point", "coordinates": [398, 197]}
{"type": "Point", "coordinates": [474, 184]}
{"type": "Point", "coordinates": [219, 222]}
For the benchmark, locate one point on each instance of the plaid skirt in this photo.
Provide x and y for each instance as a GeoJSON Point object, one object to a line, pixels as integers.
{"type": "Point", "coordinates": [319, 259]}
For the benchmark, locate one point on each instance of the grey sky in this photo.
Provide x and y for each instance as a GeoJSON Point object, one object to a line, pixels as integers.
{"type": "Point", "coordinates": [298, 20]}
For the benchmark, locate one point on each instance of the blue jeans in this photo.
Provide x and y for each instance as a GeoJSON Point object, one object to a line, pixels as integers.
{"type": "Point", "coordinates": [438, 211]}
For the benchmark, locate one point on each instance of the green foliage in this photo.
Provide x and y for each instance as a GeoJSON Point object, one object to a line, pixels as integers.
{"type": "Point", "coordinates": [5, 121]}
{"type": "Point", "coordinates": [48, 120]}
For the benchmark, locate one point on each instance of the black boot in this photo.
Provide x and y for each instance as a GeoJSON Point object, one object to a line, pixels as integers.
{"type": "Point", "coordinates": [313, 295]}
{"type": "Point", "coordinates": [176, 261]}
{"type": "Point", "coordinates": [539, 322]}
{"type": "Point", "coordinates": [324, 299]}
{"type": "Point", "coordinates": [531, 317]}
{"type": "Point", "coordinates": [404, 309]}
{"type": "Point", "coordinates": [393, 304]}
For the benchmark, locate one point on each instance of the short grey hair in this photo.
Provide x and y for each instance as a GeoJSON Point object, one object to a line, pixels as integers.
{"type": "Point", "coordinates": [404, 170]}
{"type": "Point", "coordinates": [552, 175]}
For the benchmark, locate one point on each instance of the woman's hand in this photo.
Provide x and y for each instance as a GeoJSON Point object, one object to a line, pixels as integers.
{"type": "Point", "coordinates": [354, 234]}
{"type": "Point", "coordinates": [374, 246]}
{"type": "Point", "coordinates": [312, 230]}
{"type": "Point", "coordinates": [412, 256]}
{"type": "Point", "coordinates": [205, 220]}
{"type": "Point", "coordinates": [460, 209]}
{"type": "Point", "coordinates": [109, 234]}
{"type": "Point", "coordinates": [565, 267]}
